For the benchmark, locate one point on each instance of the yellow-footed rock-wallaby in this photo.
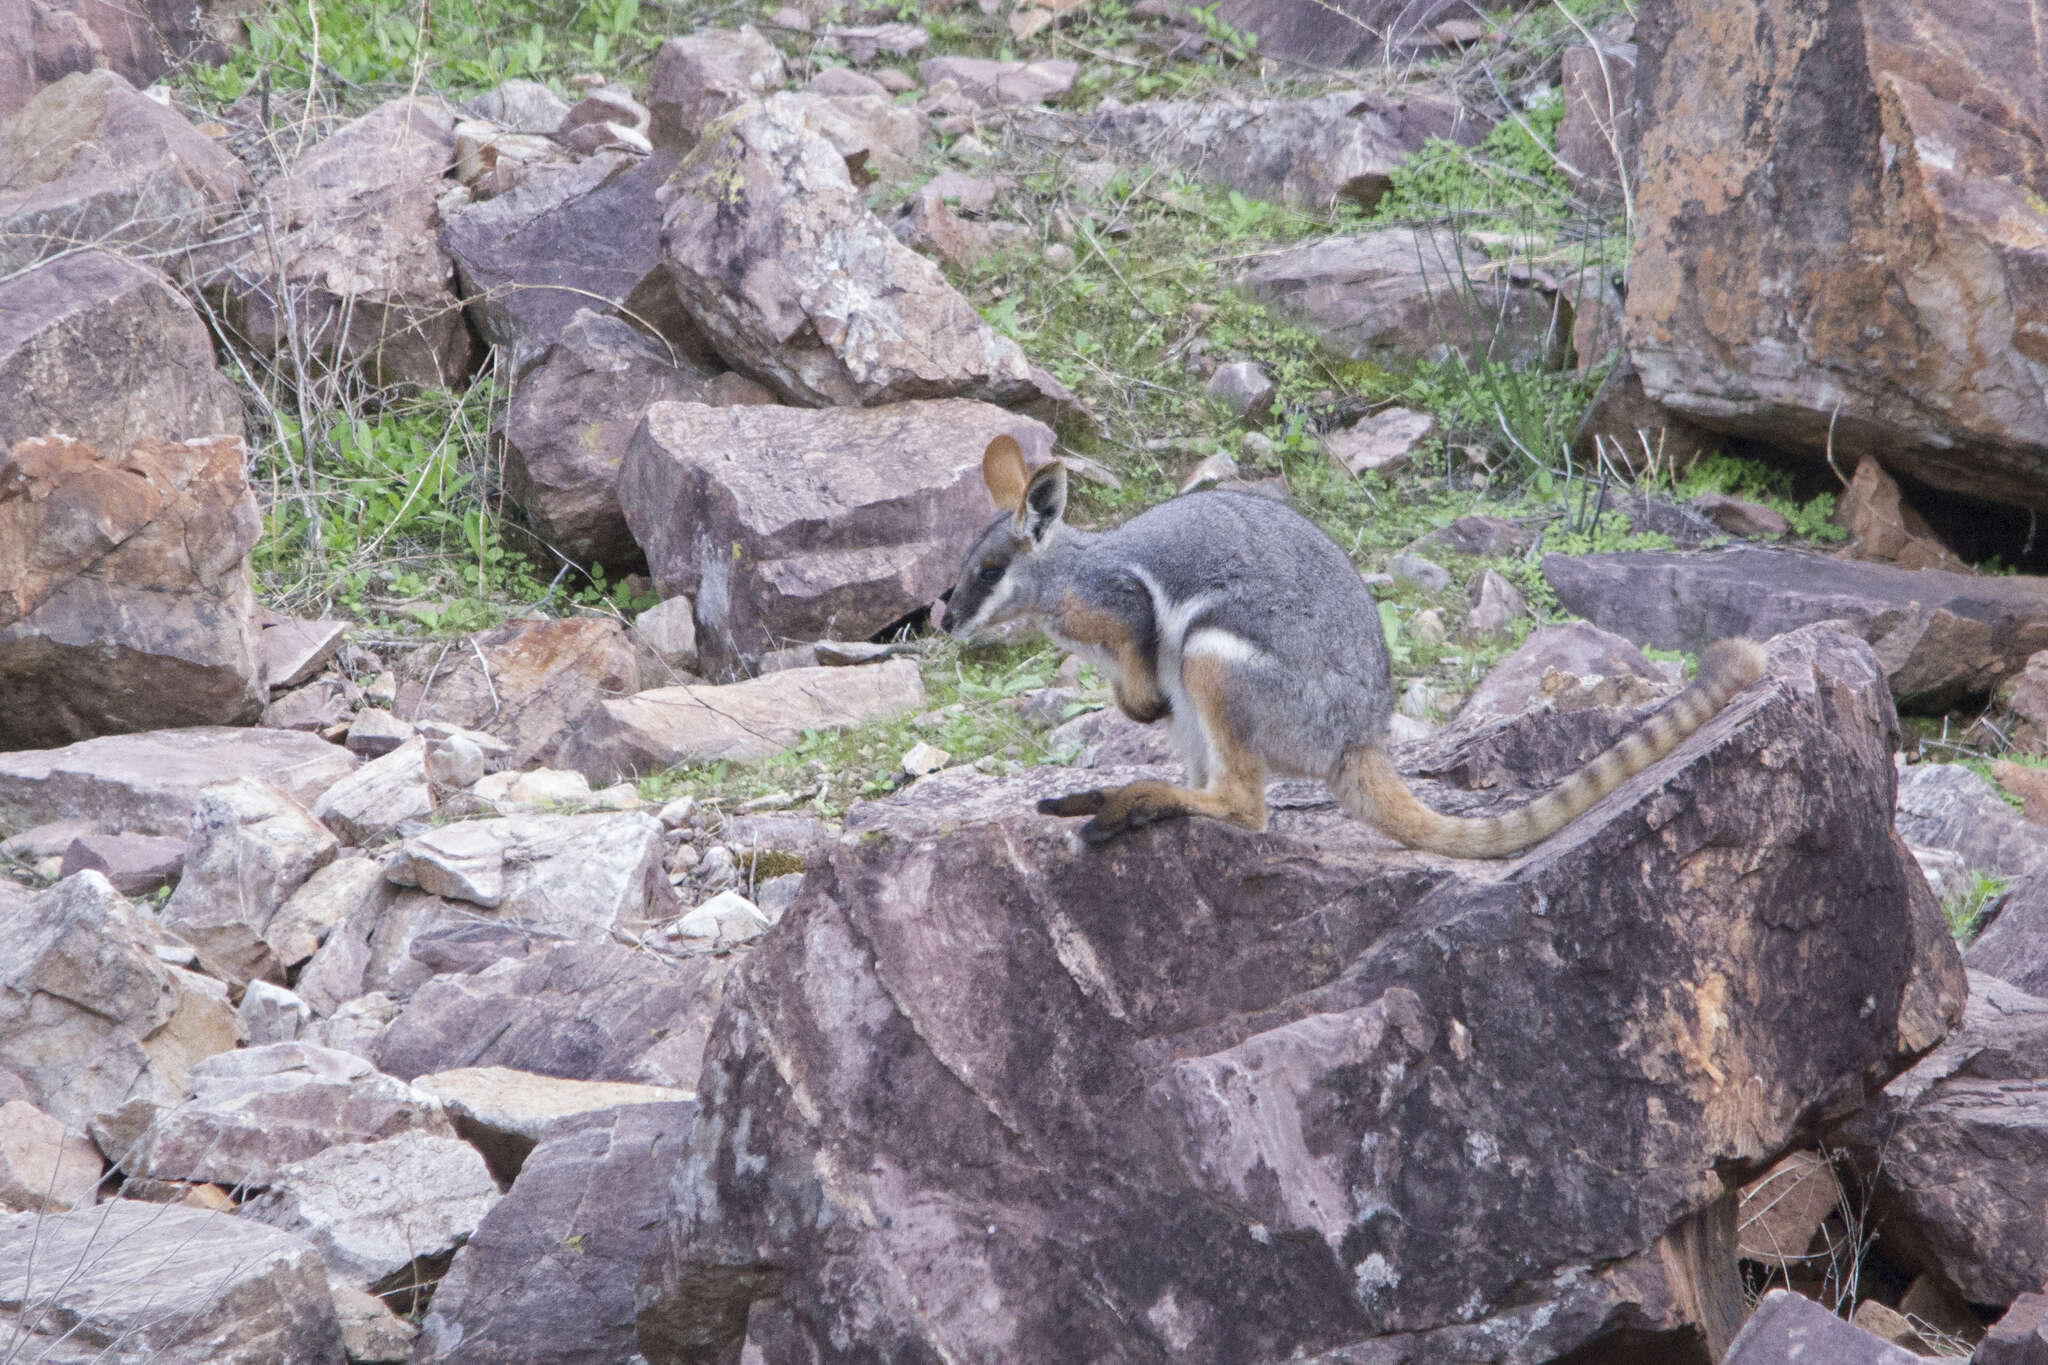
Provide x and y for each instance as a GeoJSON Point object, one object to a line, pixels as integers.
{"type": "Point", "coordinates": [1234, 616]}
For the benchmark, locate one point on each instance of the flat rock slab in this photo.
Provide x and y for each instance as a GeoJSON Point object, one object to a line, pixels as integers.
{"type": "Point", "coordinates": [1942, 637]}
{"type": "Point", "coordinates": [742, 720]}
{"type": "Point", "coordinates": [1397, 294]}
{"type": "Point", "coordinates": [586, 1012]}
{"type": "Point", "coordinates": [150, 783]}
{"type": "Point", "coordinates": [834, 310]}
{"type": "Point", "coordinates": [794, 524]}
{"type": "Point", "coordinates": [1306, 152]}
{"type": "Point", "coordinates": [575, 875]}
{"type": "Point", "coordinates": [130, 1281]}
{"type": "Point", "coordinates": [1790, 1329]}
{"type": "Point", "coordinates": [1947, 806]}
{"type": "Point", "coordinates": [551, 1272]}
{"type": "Point", "coordinates": [92, 160]}
{"type": "Point", "coordinates": [107, 352]}
{"type": "Point", "coordinates": [256, 1110]}
{"type": "Point", "coordinates": [1951, 1150]}
{"type": "Point", "coordinates": [1001, 85]}
{"type": "Point", "coordinates": [1922, 339]}
{"type": "Point", "coordinates": [386, 1215]}
{"type": "Point", "coordinates": [1318, 1098]}
{"type": "Point", "coordinates": [503, 1113]}
{"type": "Point", "coordinates": [132, 604]}
{"type": "Point", "coordinates": [366, 804]}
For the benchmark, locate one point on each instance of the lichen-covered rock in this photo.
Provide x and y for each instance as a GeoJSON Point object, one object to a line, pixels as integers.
{"type": "Point", "coordinates": [92, 161]}
{"type": "Point", "coordinates": [1840, 230]}
{"type": "Point", "coordinates": [1212, 1094]}
{"type": "Point", "coordinates": [699, 76]}
{"type": "Point", "coordinates": [796, 283]}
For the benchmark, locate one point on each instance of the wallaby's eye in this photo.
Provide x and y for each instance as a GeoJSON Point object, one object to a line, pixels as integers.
{"type": "Point", "coordinates": [990, 575]}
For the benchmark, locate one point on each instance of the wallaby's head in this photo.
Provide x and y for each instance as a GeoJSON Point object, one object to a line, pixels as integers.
{"type": "Point", "coordinates": [1003, 574]}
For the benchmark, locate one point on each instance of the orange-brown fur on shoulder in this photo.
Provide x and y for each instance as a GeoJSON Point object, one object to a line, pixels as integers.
{"type": "Point", "coordinates": [1137, 681]}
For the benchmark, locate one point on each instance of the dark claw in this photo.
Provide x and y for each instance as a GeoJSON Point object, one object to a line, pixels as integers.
{"type": "Point", "coordinates": [1080, 803]}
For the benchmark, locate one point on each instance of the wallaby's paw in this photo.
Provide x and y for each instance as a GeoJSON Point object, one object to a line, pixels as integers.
{"type": "Point", "coordinates": [1145, 711]}
{"type": "Point", "coordinates": [1125, 813]}
{"type": "Point", "coordinates": [1080, 803]}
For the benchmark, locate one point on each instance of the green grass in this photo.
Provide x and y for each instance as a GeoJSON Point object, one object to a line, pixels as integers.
{"type": "Point", "coordinates": [1964, 907]}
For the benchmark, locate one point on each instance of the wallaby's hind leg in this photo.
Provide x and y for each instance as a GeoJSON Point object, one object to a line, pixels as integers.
{"type": "Point", "coordinates": [1236, 789]}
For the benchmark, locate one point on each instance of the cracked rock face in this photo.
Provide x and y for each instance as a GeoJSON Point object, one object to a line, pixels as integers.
{"type": "Point", "coordinates": [796, 283]}
{"type": "Point", "coordinates": [1214, 1095]}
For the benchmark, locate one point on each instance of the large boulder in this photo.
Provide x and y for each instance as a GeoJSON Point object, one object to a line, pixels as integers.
{"type": "Point", "coordinates": [2015, 948]}
{"type": "Point", "coordinates": [348, 268]}
{"type": "Point", "coordinates": [1942, 637]}
{"type": "Point", "coordinates": [792, 524]}
{"type": "Point", "coordinates": [1400, 294]}
{"type": "Point", "coordinates": [98, 1028]}
{"type": "Point", "coordinates": [46, 40]}
{"type": "Point", "coordinates": [1952, 1151]}
{"type": "Point", "coordinates": [567, 428]}
{"type": "Point", "coordinates": [130, 1281]}
{"type": "Point", "coordinates": [1308, 152]}
{"type": "Point", "coordinates": [1597, 139]}
{"type": "Point", "coordinates": [700, 76]}
{"type": "Point", "coordinates": [551, 1272]}
{"type": "Point", "coordinates": [1890, 183]}
{"type": "Point", "coordinates": [796, 283]}
{"type": "Point", "coordinates": [107, 352]}
{"type": "Point", "coordinates": [584, 1012]}
{"type": "Point", "coordinates": [91, 160]}
{"type": "Point", "coordinates": [1948, 806]}
{"type": "Point", "coordinates": [130, 604]}
{"type": "Point", "coordinates": [150, 783]}
{"type": "Point", "coordinates": [665, 726]}
{"type": "Point", "coordinates": [582, 236]}
{"type": "Point", "coordinates": [1208, 1094]}
{"type": "Point", "coordinates": [254, 1111]}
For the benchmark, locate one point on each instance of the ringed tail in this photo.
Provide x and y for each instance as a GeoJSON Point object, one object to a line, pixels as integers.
{"type": "Point", "coordinates": [1370, 789]}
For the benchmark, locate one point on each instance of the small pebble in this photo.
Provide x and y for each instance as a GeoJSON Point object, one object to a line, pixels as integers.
{"type": "Point", "coordinates": [1059, 256]}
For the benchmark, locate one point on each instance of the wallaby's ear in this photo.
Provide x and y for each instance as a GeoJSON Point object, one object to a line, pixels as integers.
{"type": "Point", "coordinates": [1002, 469]}
{"type": "Point", "coordinates": [1044, 502]}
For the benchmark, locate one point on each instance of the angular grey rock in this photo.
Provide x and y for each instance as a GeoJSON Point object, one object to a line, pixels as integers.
{"type": "Point", "coordinates": [2018, 1338]}
{"type": "Point", "coordinates": [744, 720]}
{"type": "Point", "coordinates": [1945, 805]}
{"type": "Point", "coordinates": [1565, 667]}
{"type": "Point", "coordinates": [574, 875]}
{"type": "Point", "coordinates": [387, 1216]}
{"type": "Point", "coordinates": [1397, 294]}
{"type": "Point", "coordinates": [669, 628]}
{"type": "Point", "coordinates": [165, 1283]}
{"type": "Point", "coordinates": [1597, 139]}
{"type": "Point", "coordinates": [44, 1169]}
{"type": "Point", "coordinates": [129, 602]}
{"type": "Point", "coordinates": [1401, 1146]}
{"type": "Point", "coordinates": [349, 255]}
{"type": "Point", "coordinates": [1942, 637]}
{"type": "Point", "coordinates": [551, 1272]}
{"type": "Point", "coordinates": [90, 161]}
{"type": "Point", "coordinates": [1307, 152]}
{"type": "Point", "coordinates": [107, 352]}
{"type": "Point", "coordinates": [1950, 1150]}
{"type": "Point", "coordinates": [252, 846]}
{"type": "Point", "coordinates": [294, 649]}
{"type": "Point", "coordinates": [700, 76]}
{"type": "Point", "coordinates": [876, 137]}
{"type": "Point", "coordinates": [503, 1113]}
{"type": "Point", "coordinates": [270, 1014]}
{"type": "Point", "coordinates": [1790, 1329]}
{"type": "Point", "coordinates": [789, 524]}
{"type": "Point", "coordinates": [1245, 388]}
{"type": "Point", "coordinates": [149, 783]}
{"type": "Point", "coordinates": [376, 798]}
{"type": "Point", "coordinates": [567, 428]}
{"type": "Point", "coordinates": [586, 236]}
{"type": "Point", "coordinates": [328, 897]}
{"type": "Point", "coordinates": [586, 1012]}
{"type": "Point", "coordinates": [865, 42]}
{"type": "Point", "coordinates": [520, 107]}
{"type": "Point", "coordinates": [834, 310]}
{"type": "Point", "coordinates": [90, 1019]}
{"type": "Point", "coordinates": [1496, 602]}
{"type": "Point", "coordinates": [256, 1110]}
{"type": "Point", "coordinates": [1424, 575]}
{"type": "Point", "coordinates": [370, 1332]}
{"type": "Point", "coordinates": [2015, 946]}
{"type": "Point", "coordinates": [375, 732]}
{"type": "Point", "coordinates": [1385, 440]}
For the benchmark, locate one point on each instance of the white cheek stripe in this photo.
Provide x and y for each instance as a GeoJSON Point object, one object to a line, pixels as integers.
{"type": "Point", "coordinates": [1004, 591]}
